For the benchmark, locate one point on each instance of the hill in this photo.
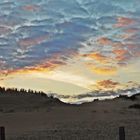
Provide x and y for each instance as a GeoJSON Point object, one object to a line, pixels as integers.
{"type": "Point", "coordinates": [34, 115]}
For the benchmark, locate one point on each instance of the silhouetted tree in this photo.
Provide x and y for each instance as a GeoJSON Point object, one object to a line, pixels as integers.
{"type": "Point", "coordinates": [15, 91]}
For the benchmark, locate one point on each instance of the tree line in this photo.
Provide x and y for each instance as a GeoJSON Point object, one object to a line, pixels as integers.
{"type": "Point", "coordinates": [16, 91]}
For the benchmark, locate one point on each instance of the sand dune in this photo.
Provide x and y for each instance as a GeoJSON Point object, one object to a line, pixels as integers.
{"type": "Point", "coordinates": [31, 117]}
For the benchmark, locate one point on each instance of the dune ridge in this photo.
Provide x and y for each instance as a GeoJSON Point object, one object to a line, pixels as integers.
{"type": "Point", "coordinates": [32, 116]}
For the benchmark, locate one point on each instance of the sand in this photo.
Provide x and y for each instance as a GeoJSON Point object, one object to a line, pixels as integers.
{"type": "Point", "coordinates": [37, 118]}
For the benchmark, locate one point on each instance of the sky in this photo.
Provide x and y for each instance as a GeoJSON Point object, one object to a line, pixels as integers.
{"type": "Point", "coordinates": [86, 48]}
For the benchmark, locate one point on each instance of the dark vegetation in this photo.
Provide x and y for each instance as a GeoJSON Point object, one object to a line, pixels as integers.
{"type": "Point", "coordinates": [15, 91]}
{"type": "Point", "coordinates": [133, 97]}
{"type": "Point", "coordinates": [22, 92]}
{"type": "Point", "coordinates": [49, 97]}
{"type": "Point", "coordinates": [13, 100]}
{"type": "Point", "coordinates": [135, 106]}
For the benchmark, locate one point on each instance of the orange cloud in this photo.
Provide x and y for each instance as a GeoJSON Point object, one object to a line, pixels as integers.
{"type": "Point", "coordinates": [104, 70]}
{"type": "Point", "coordinates": [124, 21]}
{"type": "Point", "coordinates": [121, 58]}
{"type": "Point", "coordinates": [44, 66]}
{"type": "Point", "coordinates": [48, 65]}
{"type": "Point", "coordinates": [120, 54]}
{"type": "Point", "coordinates": [117, 44]}
{"type": "Point", "coordinates": [30, 8]}
{"type": "Point", "coordinates": [129, 33]}
{"type": "Point", "coordinates": [104, 41]}
{"type": "Point", "coordinates": [125, 36]}
{"type": "Point", "coordinates": [107, 84]}
{"type": "Point", "coordinates": [98, 57]}
{"type": "Point", "coordinates": [131, 30]}
{"type": "Point", "coordinates": [29, 70]}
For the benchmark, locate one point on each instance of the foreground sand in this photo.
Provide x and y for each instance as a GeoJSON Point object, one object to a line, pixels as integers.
{"type": "Point", "coordinates": [37, 118]}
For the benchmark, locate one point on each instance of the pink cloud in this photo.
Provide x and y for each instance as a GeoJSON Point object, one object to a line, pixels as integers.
{"type": "Point", "coordinates": [28, 42]}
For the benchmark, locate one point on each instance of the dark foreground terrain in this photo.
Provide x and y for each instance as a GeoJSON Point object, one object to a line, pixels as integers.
{"type": "Point", "coordinates": [37, 117]}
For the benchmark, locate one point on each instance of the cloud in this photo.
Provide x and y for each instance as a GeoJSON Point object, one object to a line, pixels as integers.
{"type": "Point", "coordinates": [98, 57]}
{"type": "Point", "coordinates": [28, 42]}
{"type": "Point", "coordinates": [103, 70]}
{"type": "Point", "coordinates": [124, 21]}
{"type": "Point", "coordinates": [36, 39]}
{"type": "Point", "coordinates": [107, 84]}
{"type": "Point", "coordinates": [100, 94]}
{"type": "Point", "coordinates": [49, 32]}
{"type": "Point", "coordinates": [30, 8]}
{"type": "Point", "coordinates": [122, 55]}
{"type": "Point", "coordinates": [104, 41]}
{"type": "Point", "coordinates": [5, 30]}
{"type": "Point", "coordinates": [119, 52]}
{"type": "Point", "coordinates": [131, 30]}
{"type": "Point", "coordinates": [43, 66]}
{"type": "Point", "coordinates": [2, 66]}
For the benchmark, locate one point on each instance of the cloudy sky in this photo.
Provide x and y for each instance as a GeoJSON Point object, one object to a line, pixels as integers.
{"type": "Point", "coordinates": [70, 47]}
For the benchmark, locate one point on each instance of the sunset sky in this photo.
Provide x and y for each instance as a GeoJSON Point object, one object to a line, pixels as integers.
{"type": "Point", "coordinates": [70, 47]}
